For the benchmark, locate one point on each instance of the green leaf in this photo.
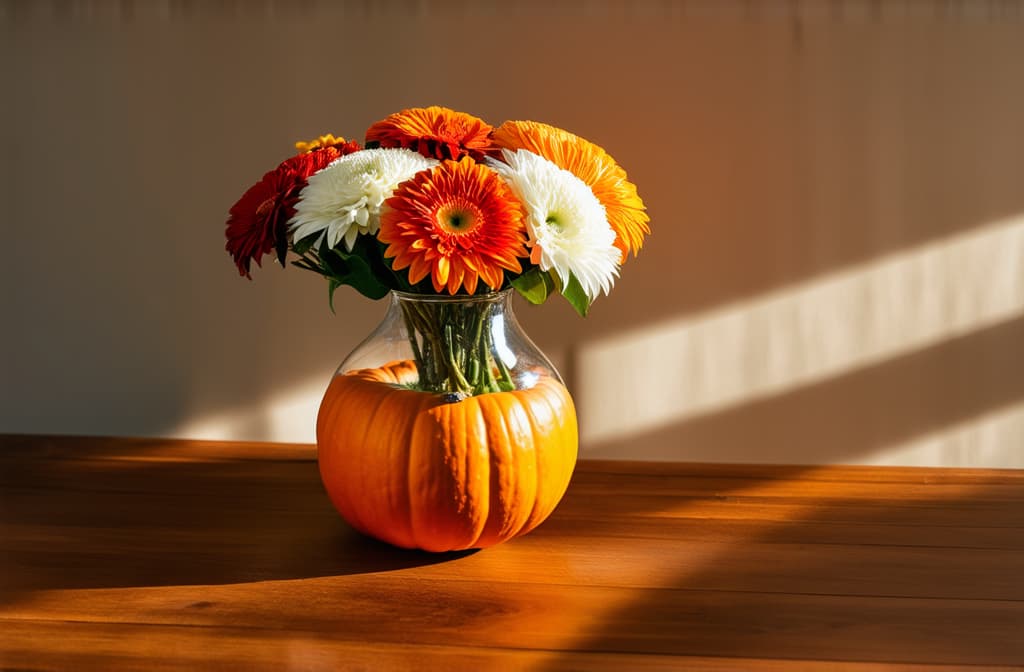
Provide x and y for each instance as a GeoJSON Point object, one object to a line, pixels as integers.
{"type": "Point", "coordinates": [535, 285]}
{"type": "Point", "coordinates": [307, 265]}
{"type": "Point", "coordinates": [576, 296]}
{"type": "Point", "coordinates": [332, 285]}
{"type": "Point", "coordinates": [300, 247]}
{"type": "Point", "coordinates": [351, 268]}
{"type": "Point", "coordinates": [373, 250]}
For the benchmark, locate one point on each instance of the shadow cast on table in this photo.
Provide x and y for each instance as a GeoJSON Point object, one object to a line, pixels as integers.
{"type": "Point", "coordinates": [870, 567]}
{"type": "Point", "coordinates": [887, 578]}
{"type": "Point", "coordinates": [101, 521]}
{"type": "Point", "coordinates": [107, 523]}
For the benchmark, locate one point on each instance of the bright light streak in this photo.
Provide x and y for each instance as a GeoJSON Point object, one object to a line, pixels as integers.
{"type": "Point", "coordinates": [288, 416]}
{"type": "Point", "coordinates": [651, 377]}
{"type": "Point", "coordinates": [658, 375]}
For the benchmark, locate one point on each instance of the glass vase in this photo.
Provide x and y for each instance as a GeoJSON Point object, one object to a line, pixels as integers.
{"type": "Point", "coordinates": [447, 428]}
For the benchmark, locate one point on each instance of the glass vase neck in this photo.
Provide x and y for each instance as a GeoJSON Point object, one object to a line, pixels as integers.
{"type": "Point", "coordinates": [458, 343]}
{"type": "Point", "coordinates": [460, 346]}
{"type": "Point", "coordinates": [502, 296]}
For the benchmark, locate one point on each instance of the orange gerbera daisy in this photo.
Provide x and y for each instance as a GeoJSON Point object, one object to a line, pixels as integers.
{"type": "Point", "coordinates": [591, 164]}
{"type": "Point", "coordinates": [434, 132]}
{"type": "Point", "coordinates": [458, 223]}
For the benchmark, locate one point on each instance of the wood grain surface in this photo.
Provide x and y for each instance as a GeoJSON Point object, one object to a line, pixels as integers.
{"type": "Point", "coordinates": [145, 554]}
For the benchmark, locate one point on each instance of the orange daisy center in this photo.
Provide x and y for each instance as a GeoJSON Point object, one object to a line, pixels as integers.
{"type": "Point", "coordinates": [459, 223]}
{"type": "Point", "coordinates": [458, 218]}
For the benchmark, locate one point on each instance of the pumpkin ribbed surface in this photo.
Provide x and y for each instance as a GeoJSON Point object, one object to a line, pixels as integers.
{"type": "Point", "coordinates": [416, 470]}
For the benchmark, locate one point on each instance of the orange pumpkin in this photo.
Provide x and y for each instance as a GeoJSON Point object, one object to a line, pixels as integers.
{"type": "Point", "coordinates": [417, 470]}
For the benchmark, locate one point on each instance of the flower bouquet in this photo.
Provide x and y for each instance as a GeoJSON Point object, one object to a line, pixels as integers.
{"type": "Point", "coordinates": [447, 215]}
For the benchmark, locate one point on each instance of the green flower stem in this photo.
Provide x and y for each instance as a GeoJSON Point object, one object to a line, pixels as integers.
{"type": "Point", "coordinates": [453, 346]}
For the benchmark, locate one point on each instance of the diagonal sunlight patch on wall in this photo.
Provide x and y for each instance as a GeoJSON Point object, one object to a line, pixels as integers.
{"type": "Point", "coordinates": [652, 377]}
{"type": "Point", "coordinates": [289, 416]}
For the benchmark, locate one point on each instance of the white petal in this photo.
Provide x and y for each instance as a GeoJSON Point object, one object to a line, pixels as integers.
{"type": "Point", "coordinates": [345, 196]}
{"type": "Point", "coordinates": [307, 229]}
{"type": "Point", "coordinates": [362, 216]}
{"type": "Point", "coordinates": [350, 237]}
{"type": "Point", "coordinates": [334, 234]}
{"type": "Point", "coordinates": [564, 219]}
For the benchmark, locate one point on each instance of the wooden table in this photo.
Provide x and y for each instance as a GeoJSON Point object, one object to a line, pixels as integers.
{"type": "Point", "coordinates": [125, 554]}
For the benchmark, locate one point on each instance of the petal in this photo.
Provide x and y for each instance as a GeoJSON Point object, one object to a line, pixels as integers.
{"type": "Point", "coordinates": [350, 237]}
{"type": "Point", "coordinates": [443, 267]}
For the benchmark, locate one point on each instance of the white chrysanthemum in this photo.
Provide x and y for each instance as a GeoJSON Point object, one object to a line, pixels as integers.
{"type": "Point", "coordinates": [568, 228]}
{"type": "Point", "coordinates": [344, 199]}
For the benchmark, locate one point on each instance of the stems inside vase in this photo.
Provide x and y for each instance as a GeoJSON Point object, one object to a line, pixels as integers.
{"type": "Point", "coordinates": [453, 345]}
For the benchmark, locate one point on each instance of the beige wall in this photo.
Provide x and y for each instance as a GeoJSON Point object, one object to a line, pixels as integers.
{"type": "Point", "coordinates": [836, 272]}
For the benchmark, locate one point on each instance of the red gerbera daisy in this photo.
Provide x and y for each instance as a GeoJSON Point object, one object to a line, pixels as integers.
{"type": "Point", "coordinates": [457, 222]}
{"type": "Point", "coordinates": [258, 221]}
{"type": "Point", "coordinates": [435, 132]}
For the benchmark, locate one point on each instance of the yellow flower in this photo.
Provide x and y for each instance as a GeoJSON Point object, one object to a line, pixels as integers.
{"type": "Point", "coordinates": [319, 143]}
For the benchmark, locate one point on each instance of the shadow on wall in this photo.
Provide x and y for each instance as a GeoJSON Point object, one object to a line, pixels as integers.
{"type": "Point", "coordinates": [899, 349]}
{"type": "Point", "coordinates": [769, 152]}
{"type": "Point", "coordinates": [919, 400]}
